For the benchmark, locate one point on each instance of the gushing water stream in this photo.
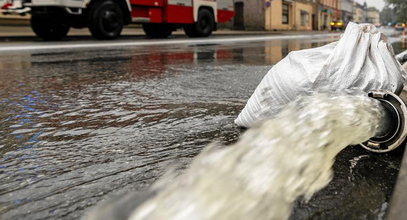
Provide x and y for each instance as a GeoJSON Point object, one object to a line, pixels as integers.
{"type": "Point", "coordinates": [272, 164]}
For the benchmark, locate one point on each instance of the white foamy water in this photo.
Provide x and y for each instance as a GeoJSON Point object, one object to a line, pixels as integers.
{"type": "Point", "coordinates": [271, 165]}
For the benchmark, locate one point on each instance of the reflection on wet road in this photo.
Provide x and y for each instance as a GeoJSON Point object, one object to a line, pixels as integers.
{"type": "Point", "coordinates": [80, 126]}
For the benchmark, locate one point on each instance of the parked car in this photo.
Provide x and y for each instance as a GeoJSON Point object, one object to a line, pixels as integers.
{"type": "Point", "coordinates": [400, 26]}
{"type": "Point", "coordinates": [337, 25]}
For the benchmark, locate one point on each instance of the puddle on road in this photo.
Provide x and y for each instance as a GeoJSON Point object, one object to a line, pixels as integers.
{"type": "Point", "coordinates": [76, 128]}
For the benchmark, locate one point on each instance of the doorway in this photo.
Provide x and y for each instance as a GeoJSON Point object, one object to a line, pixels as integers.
{"type": "Point", "coordinates": [238, 21]}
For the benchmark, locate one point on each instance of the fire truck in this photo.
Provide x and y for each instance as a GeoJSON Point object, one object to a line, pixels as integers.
{"type": "Point", "coordinates": [52, 19]}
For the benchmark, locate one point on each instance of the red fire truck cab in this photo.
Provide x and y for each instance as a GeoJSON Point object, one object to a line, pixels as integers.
{"type": "Point", "coordinates": [52, 19]}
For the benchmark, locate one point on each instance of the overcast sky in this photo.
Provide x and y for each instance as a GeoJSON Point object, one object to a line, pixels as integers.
{"type": "Point", "coordinates": [379, 4]}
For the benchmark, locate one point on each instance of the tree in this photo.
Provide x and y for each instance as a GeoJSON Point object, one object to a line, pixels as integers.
{"type": "Point", "coordinates": [400, 7]}
{"type": "Point", "coordinates": [388, 15]}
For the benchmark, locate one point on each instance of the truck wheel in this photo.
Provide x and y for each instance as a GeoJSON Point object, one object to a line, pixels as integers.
{"type": "Point", "coordinates": [49, 28]}
{"type": "Point", "coordinates": [203, 27]}
{"type": "Point", "coordinates": [157, 30]}
{"type": "Point", "coordinates": [105, 20]}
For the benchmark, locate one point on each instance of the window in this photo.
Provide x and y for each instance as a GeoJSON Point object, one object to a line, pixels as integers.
{"type": "Point", "coordinates": [285, 14]}
{"type": "Point", "coordinates": [304, 18]}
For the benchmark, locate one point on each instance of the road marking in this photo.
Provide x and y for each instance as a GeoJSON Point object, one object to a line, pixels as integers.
{"type": "Point", "coordinates": [59, 46]}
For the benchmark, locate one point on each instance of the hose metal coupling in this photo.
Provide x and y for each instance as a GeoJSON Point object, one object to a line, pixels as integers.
{"type": "Point", "coordinates": [393, 130]}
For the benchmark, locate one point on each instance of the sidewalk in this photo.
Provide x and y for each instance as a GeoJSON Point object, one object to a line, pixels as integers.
{"type": "Point", "coordinates": [14, 20]}
{"type": "Point", "coordinates": [17, 26]}
{"type": "Point", "coordinates": [16, 31]}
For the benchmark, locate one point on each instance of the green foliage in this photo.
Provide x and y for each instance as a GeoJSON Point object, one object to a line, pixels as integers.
{"type": "Point", "coordinates": [400, 7]}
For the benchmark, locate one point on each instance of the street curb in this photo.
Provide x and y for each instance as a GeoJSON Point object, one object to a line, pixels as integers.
{"type": "Point", "coordinates": [14, 21]}
{"type": "Point", "coordinates": [150, 42]}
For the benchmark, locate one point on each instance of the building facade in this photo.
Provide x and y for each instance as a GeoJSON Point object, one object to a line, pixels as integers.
{"type": "Point", "coordinates": [301, 15]}
{"type": "Point", "coordinates": [328, 10]}
{"type": "Point", "coordinates": [373, 16]}
{"type": "Point", "coordinates": [249, 15]}
{"type": "Point", "coordinates": [275, 14]}
{"type": "Point", "coordinates": [346, 7]}
{"type": "Point", "coordinates": [289, 15]}
{"type": "Point", "coordinates": [359, 13]}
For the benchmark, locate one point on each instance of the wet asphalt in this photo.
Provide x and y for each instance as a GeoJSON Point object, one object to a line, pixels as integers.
{"type": "Point", "coordinates": [82, 125]}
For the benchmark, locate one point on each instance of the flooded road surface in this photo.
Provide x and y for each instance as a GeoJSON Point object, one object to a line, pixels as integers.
{"type": "Point", "coordinates": [80, 126]}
